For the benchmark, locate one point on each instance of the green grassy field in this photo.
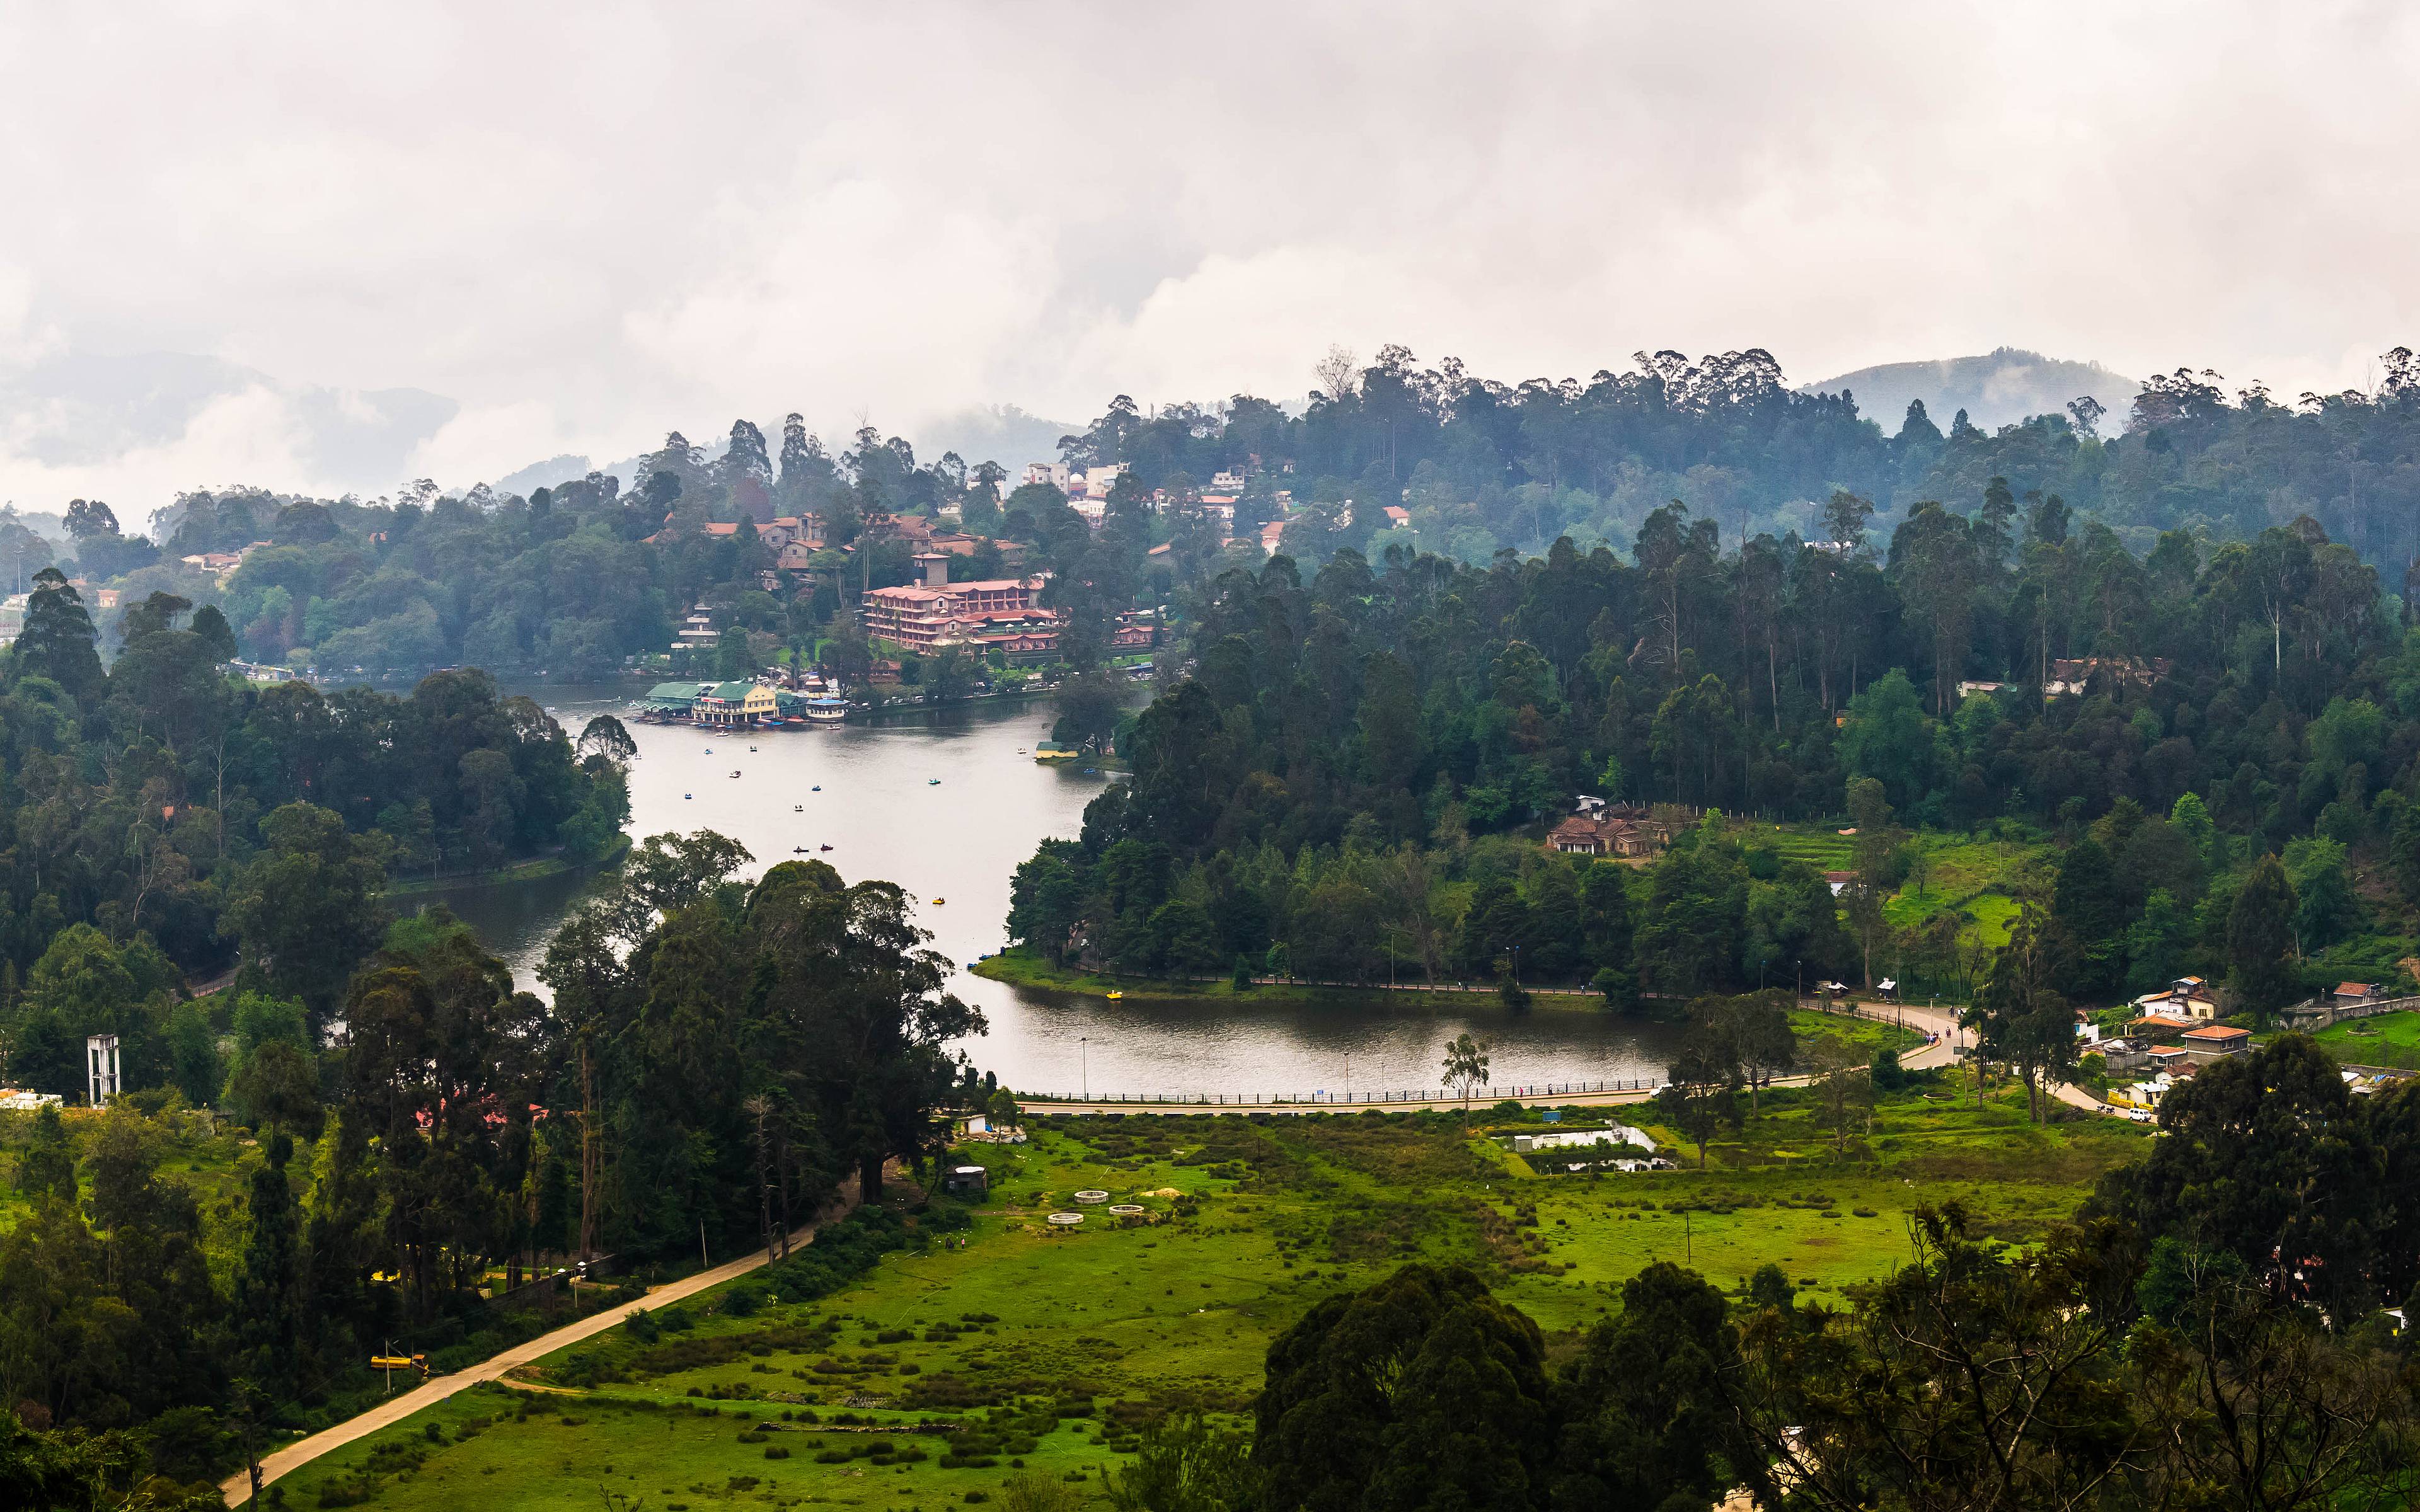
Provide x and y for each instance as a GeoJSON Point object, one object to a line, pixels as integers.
{"type": "Point", "coordinates": [1972, 874]}
{"type": "Point", "coordinates": [1006, 1346]}
{"type": "Point", "coordinates": [1870, 1035]}
{"type": "Point", "coordinates": [2388, 1040]}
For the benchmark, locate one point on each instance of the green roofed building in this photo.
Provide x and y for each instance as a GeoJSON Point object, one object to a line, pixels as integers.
{"type": "Point", "coordinates": [735, 704]}
{"type": "Point", "coordinates": [672, 700]}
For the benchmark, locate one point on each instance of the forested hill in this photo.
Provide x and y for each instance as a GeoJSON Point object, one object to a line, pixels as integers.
{"type": "Point", "coordinates": [577, 578]}
{"type": "Point", "coordinates": [1331, 776]}
{"type": "Point", "coordinates": [1483, 465]}
{"type": "Point", "coordinates": [158, 819]}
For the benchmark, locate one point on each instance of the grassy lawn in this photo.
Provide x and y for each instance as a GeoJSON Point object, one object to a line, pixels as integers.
{"type": "Point", "coordinates": [2388, 1040]}
{"type": "Point", "coordinates": [1869, 1035]}
{"type": "Point", "coordinates": [1042, 1348]}
{"type": "Point", "coordinates": [1974, 874]}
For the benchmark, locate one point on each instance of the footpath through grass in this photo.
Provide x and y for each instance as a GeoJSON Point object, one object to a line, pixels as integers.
{"type": "Point", "coordinates": [987, 1341]}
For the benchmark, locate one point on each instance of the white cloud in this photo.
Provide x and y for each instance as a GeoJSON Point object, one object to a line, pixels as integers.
{"type": "Point", "coordinates": [251, 434]}
{"type": "Point", "coordinates": [487, 442]}
{"type": "Point", "coordinates": [590, 226]}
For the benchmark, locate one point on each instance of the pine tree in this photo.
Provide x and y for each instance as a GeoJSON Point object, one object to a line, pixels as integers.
{"type": "Point", "coordinates": [47, 1168]}
{"type": "Point", "coordinates": [58, 640]}
{"type": "Point", "coordinates": [1604, 906]}
{"type": "Point", "coordinates": [2260, 940]}
{"type": "Point", "coordinates": [269, 1287]}
{"type": "Point", "coordinates": [2088, 906]}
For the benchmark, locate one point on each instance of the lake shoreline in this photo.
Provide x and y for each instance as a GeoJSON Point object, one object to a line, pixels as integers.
{"type": "Point", "coordinates": [1021, 967]}
{"type": "Point", "coordinates": [537, 868]}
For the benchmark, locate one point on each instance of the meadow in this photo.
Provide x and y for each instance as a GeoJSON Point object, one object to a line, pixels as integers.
{"type": "Point", "coordinates": [989, 1343]}
{"type": "Point", "coordinates": [2388, 1040]}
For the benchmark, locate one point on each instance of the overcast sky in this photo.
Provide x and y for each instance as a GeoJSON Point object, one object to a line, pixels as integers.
{"type": "Point", "coordinates": [589, 223]}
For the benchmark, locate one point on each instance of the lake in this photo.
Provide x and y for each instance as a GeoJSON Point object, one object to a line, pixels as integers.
{"type": "Point", "coordinates": [946, 804]}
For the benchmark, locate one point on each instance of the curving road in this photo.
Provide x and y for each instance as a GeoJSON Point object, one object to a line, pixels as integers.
{"type": "Point", "coordinates": [239, 1488]}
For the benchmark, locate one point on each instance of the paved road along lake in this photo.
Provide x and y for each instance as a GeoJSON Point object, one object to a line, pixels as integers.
{"type": "Point", "coordinates": [867, 790]}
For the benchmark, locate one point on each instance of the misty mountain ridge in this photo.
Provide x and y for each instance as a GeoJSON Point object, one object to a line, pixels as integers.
{"type": "Point", "coordinates": [87, 409]}
{"type": "Point", "coordinates": [79, 408]}
{"type": "Point", "coordinates": [1997, 389]}
{"type": "Point", "coordinates": [1001, 433]}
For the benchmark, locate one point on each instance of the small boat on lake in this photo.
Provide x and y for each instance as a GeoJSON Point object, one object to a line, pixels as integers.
{"type": "Point", "coordinates": [823, 847]}
{"type": "Point", "coordinates": [931, 781]}
{"type": "Point", "coordinates": [938, 902]}
{"type": "Point", "coordinates": [1115, 994]}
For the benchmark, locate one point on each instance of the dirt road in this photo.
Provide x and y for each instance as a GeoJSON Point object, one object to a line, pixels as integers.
{"type": "Point", "coordinates": [237, 1486]}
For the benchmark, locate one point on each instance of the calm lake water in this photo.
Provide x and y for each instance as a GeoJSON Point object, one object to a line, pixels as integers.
{"type": "Point", "coordinates": [954, 846]}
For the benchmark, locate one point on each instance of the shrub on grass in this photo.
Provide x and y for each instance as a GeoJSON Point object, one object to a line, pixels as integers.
{"type": "Point", "coordinates": [743, 1302]}
{"type": "Point", "coordinates": [842, 1252]}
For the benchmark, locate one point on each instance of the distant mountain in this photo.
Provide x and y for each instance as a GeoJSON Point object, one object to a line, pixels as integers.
{"type": "Point", "coordinates": [553, 471]}
{"type": "Point", "coordinates": [1002, 433]}
{"type": "Point", "coordinates": [1998, 390]}
{"type": "Point", "coordinates": [79, 408]}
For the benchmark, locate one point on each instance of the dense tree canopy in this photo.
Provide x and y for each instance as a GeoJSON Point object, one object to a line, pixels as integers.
{"type": "Point", "coordinates": [1355, 766]}
{"type": "Point", "coordinates": [159, 820]}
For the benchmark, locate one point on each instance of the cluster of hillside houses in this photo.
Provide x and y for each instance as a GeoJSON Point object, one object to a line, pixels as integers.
{"type": "Point", "coordinates": [1003, 617]}
{"type": "Point", "coordinates": [1600, 828]}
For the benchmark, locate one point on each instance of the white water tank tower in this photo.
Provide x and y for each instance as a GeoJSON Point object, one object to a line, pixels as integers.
{"type": "Point", "coordinates": [101, 1067]}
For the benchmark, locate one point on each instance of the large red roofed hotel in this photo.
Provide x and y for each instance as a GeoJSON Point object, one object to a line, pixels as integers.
{"type": "Point", "coordinates": [920, 617]}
